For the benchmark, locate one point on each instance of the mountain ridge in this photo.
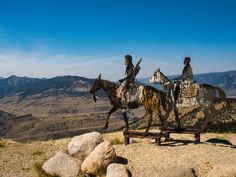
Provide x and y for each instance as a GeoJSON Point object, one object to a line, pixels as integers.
{"type": "Point", "coordinates": [73, 84]}
{"type": "Point", "coordinates": [29, 86]}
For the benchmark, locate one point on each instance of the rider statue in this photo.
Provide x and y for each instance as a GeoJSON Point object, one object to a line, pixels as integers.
{"type": "Point", "coordinates": [187, 74]}
{"type": "Point", "coordinates": [186, 77]}
{"type": "Point", "coordinates": [127, 81]}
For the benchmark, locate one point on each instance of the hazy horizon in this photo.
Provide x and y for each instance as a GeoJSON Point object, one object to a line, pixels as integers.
{"type": "Point", "coordinates": [140, 78]}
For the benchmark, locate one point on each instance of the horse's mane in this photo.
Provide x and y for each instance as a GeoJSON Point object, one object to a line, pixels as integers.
{"type": "Point", "coordinates": [108, 83]}
{"type": "Point", "coordinates": [165, 77]}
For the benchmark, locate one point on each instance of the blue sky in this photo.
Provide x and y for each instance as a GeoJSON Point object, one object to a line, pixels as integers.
{"type": "Point", "coordinates": [40, 38]}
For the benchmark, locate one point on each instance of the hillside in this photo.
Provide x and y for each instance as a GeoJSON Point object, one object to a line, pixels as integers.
{"type": "Point", "coordinates": [83, 115]}
{"type": "Point", "coordinates": [142, 157]}
{"type": "Point", "coordinates": [11, 124]}
{"type": "Point", "coordinates": [66, 118]}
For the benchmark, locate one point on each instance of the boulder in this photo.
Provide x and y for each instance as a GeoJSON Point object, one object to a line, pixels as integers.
{"type": "Point", "coordinates": [117, 170]}
{"type": "Point", "coordinates": [178, 172]}
{"type": "Point", "coordinates": [99, 159]}
{"type": "Point", "coordinates": [81, 146]}
{"type": "Point", "coordinates": [62, 164]}
{"type": "Point", "coordinates": [227, 170]}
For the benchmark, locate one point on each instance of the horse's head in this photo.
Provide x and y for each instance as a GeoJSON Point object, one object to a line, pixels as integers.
{"type": "Point", "coordinates": [95, 87]}
{"type": "Point", "coordinates": [157, 77]}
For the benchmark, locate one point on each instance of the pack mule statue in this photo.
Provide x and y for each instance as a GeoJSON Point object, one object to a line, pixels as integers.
{"type": "Point", "coordinates": [204, 96]}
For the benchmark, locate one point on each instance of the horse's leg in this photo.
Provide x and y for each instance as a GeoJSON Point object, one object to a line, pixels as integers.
{"type": "Point", "coordinates": [177, 119]}
{"type": "Point", "coordinates": [113, 109]}
{"type": "Point", "coordinates": [126, 120]}
{"type": "Point", "coordinates": [176, 112]}
{"type": "Point", "coordinates": [149, 120]}
{"type": "Point", "coordinates": [162, 122]}
{"type": "Point", "coordinates": [209, 113]}
{"type": "Point", "coordinates": [164, 118]}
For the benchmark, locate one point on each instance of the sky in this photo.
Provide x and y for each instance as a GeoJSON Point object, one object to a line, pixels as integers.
{"type": "Point", "coordinates": [47, 38]}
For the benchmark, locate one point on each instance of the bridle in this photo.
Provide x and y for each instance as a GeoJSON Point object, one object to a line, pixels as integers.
{"type": "Point", "coordinates": [95, 95]}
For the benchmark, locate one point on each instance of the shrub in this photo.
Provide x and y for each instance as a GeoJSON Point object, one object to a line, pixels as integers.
{"type": "Point", "coordinates": [37, 152]}
{"type": "Point", "coordinates": [115, 141]}
{"type": "Point", "coordinates": [2, 143]}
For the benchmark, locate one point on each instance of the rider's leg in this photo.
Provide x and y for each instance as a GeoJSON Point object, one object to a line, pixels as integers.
{"type": "Point", "coordinates": [124, 98]}
{"type": "Point", "coordinates": [120, 91]}
{"type": "Point", "coordinates": [176, 92]}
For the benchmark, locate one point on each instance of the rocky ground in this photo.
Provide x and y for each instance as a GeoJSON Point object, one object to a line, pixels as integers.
{"type": "Point", "coordinates": [142, 157]}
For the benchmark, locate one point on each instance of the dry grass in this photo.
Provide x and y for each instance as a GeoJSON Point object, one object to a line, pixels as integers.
{"type": "Point", "coordinates": [144, 158]}
{"type": "Point", "coordinates": [100, 174]}
{"type": "Point", "coordinates": [40, 172]}
{"type": "Point", "coordinates": [37, 152]}
{"type": "Point", "coordinates": [116, 141]}
{"type": "Point", "coordinates": [83, 175]}
{"type": "Point", "coordinates": [2, 143]}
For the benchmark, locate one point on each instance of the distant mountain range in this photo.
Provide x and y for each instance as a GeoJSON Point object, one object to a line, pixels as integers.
{"type": "Point", "coordinates": [29, 86]}
{"type": "Point", "coordinates": [74, 84]}
{"type": "Point", "coordinates": [225, 80]}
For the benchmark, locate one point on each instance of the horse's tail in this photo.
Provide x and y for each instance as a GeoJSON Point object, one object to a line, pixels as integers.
{"type": "Point", "coordinates": [222, 96]}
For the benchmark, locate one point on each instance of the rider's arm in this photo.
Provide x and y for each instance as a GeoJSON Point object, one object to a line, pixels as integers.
{"type": "Point", "coordinates": [129, 74]}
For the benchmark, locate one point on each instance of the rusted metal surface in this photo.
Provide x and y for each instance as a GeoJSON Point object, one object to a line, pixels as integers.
{"type": "Point", "coordinates": [152, 135]}
{"type": "Point", "coordinates": [158, 135]}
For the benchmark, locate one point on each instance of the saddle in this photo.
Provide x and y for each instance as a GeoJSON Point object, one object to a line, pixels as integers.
{"type": "Point", "coordinates": [132, 92]}
{"type": "Point", "coordinates": [188, 92]}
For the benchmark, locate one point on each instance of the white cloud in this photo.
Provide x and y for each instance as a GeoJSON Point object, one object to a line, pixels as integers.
{"type": "Point", "coordinates": [36, 64]}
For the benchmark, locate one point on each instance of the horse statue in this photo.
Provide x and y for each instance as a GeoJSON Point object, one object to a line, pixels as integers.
{"type": "Point", "coordinates": [191, 95]}
{"type": "Point", "coordinates": [153, 100]}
